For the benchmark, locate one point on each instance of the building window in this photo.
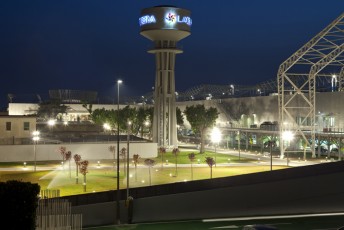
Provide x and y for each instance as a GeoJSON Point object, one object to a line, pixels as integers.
{"type": "Point", "coordinates": [8, 126]}
{"type": "Point", "coordinates": [26, 125]}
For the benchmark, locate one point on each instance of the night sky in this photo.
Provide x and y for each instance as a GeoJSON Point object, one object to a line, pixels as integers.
{"type": "Point", "coordinates": [89, 44]}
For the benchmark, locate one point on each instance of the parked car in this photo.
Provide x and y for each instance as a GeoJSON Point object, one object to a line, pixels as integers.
{"type": "Point", "coordinates": [268, 125]}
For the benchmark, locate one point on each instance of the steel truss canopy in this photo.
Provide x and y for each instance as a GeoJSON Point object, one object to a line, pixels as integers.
{"type": "Point", "coordinates": [303, 74]}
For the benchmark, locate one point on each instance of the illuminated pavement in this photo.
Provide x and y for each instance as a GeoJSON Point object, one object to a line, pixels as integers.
{"type": "Point", "coordinates": [257, 159]}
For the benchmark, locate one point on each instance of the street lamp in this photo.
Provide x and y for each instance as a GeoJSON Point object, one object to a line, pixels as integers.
{"type": "Point", "coordinates": [128, 141]}
{"type": "Point", "coordinates": [288, 136]}
{"type": "Point", "coordinates": [232, 89]}
{"type": "Point", "coordinates": [271, 144]}
{"type": "Point", "coordinates": [118, 195]}
{"type": "Point", "coordinates": [334, 82]}
{"type": "Point", "coordinates": [51, 123]}
{"type": "Point", "coordinates": [106, 126]}
{"type": "Point", "coordinates": [146, 123]}
{"type": "Point", "coordinates": [35, 139]}
{"type": "Point", "coordinates": [215, 138]}
{"type": "Point", "coordinates": [239, 143]}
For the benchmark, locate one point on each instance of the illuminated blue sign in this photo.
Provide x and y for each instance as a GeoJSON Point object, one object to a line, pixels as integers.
{"type": "Point", "coordinates": [186, 20]}
{"type": "Point", "coordinates": [147, 19]}
{"type": "Point", "coordinates": [172, 18]}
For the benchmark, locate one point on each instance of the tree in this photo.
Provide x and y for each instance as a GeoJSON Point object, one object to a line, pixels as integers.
{"type": "Point", "coordinates": [179, 116]}
{"type": "Point", "coordinates": [149, 163]}
{"type": "Point", "coordinates": [63, 151]}
{"type": "Point", "coordinates": [175, 152]}
{"type": "Point", "coordinates": [127, 114]}
{"type": "Point", "coordinates": [150, 112]}
{"type": "Point", "coordinates": [77, 159]}
{"type": "Point", "coordinates": [162, 151]}
{"type": "Point", "coordinates": [304, 146]}
{"type": "Point", "coordinates": [84, 171]}
{"type": "Point", "coordinates": [192, 158]}
{"type": "Point", "coordinates": [88, 107]}
{"type": "Point", "coordinates": [200, 120]}
{"type": "Point", "coordinates": [141, 118]}
{"type": "Point", "coordinates": [51, 109]}
{"type": "Point", "coordinates": [136, 158]}
{"type": "Point", "coordinates": [19, 202]}
{"type": "Point", "coordinates": [68, 157]}
{"type": "Point", "coordinates": [210, 161]}
{"type": "Point", "coordinates": [101, 116]}
{"type": "Point", "coordinates": [112, 149]}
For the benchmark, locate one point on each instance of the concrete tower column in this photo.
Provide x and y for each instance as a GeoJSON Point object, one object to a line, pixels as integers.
{"type": "Point", "coordinates": [164, 121]}
{"type": "Point", "coordinates": [165, 26]}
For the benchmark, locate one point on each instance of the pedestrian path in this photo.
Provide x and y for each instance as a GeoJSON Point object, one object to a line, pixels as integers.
{"type": "Point", "coordinates": [257, 159]}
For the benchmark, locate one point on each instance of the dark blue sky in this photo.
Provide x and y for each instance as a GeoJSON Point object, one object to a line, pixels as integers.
{"type": "Point", "coordinates": [88, 44]}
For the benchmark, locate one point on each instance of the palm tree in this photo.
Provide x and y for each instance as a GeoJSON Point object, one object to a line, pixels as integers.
{"type": "Point", "coordinates": [150, 163]}
{"type": "Point", "coordinates": [192, 158]}
{"type": "Point", "coordinates": [136, 161]}
{"type": "Point", "coordinates": [84, 171]}
{"type": "Point", "coordinates": [77, 159]}
{"type": "Point", "coordinates": [68, 157]}
{"type": "Point", "coordinates": [210, 161]}
{"type": "Point", "coordinates": [162, 151]}
{"type": "Point", "coordinates": [175, 152]}
{"type": "Point", "coordinates": [112, 149]}
{"type": "Point", "coordinates": [123, 154]}
{"type": "Point", "coordinates": [63, 151]}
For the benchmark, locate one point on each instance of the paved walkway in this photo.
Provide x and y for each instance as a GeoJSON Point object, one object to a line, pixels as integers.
{"type": "Point", "coordinates": [257, 159]}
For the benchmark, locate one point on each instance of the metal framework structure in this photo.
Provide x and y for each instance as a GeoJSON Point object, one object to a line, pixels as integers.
{"type": "Point", "coordinates": [321, 59]}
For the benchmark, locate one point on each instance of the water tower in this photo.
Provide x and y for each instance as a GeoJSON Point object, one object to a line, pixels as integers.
{"type": "Point", "coordinates": [165, 26]}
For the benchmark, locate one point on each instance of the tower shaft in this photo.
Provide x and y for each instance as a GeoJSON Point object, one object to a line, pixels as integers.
{"type": "Point", "coordinates": [165, 26]}
{"type": "Point", "coordinates": [164, 121]}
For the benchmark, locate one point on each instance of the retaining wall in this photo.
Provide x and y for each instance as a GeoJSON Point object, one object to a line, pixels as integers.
{"type": "Point", "coordinates": [89, 151]}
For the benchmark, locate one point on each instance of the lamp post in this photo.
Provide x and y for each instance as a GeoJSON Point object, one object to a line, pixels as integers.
{"type": "Point", "coordinates": [288, 136]}
{"type": "Point", "coordinates": [118, 218]}
{"type": "Point", "coordinates": [272, 143]}
{"type": "Point", "coordinates": [146, 123]}
{"type": "Point", "coordinates": [239, 142]}
{"type": "Point", "coordinates": [128, 141]}
{"type": "Point", "coordinates": [334, 82]}
{"type": "Point", "coordinates": [215, 138]}
{"type": "Point", "coordinates": [35, 138]}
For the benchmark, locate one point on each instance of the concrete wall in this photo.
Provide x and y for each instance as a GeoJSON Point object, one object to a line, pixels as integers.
{"type": "Point", "coordinates": [304, 195]}
{"type": "Point", "coordinates": [89, 151]}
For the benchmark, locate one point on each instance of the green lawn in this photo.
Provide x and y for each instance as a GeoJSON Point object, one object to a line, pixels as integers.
{"type": "Point", "coordinates": [102, 177]}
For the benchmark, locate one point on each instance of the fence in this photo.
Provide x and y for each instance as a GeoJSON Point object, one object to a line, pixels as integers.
{"type": "Point", "coordinates": [54, 213]}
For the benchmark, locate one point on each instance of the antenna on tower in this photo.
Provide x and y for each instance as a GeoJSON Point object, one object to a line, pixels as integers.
{"type": "Point", "coordinates": [10, 97]}
{"type": "Point", "coordinates": [39, 98]}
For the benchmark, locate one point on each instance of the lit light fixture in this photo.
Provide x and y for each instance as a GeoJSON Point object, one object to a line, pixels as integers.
{"type": "Point", "coordinates": [287, 135]}
{"type": "Point", "coordinates": [106, 126]}
{"type": "Point", "coordinates": [51, 122]}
